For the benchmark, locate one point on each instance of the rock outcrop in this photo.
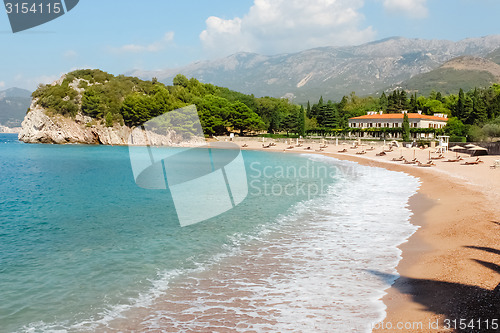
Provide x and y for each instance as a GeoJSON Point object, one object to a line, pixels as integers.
{"type": "Point", "coordinates": [39, 127]}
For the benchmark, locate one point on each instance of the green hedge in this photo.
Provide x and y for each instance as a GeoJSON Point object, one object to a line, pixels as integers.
{"type": "Point", "coordinates": [455, 138]}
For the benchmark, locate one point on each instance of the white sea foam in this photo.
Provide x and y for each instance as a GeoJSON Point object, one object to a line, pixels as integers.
{"type": "Point", "coordinates": [316, 270]}
{"type": "Point", "coordinates": [326, 259]}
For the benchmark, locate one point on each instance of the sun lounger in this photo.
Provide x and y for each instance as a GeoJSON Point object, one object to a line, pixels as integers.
{"type": "Point", "coordinates": [343, 151]}
{"type": "Point", "coordinates": [458, 159]}
{"type": "Point", "coordinates": [307, 148]}
{"type": "Point", "coordinates": [437, 157]}
{"type": "Point", "coordinates": [266, 146]}
{"type": "Point", "coordinates": [371, 148]}
{"type": "Point", "coordinates": [290, 147]}
{"type": "Point", "coordinates": [496, 165]}
{"type": "Point", "coordinates": [414, 161]}
{"type": "Point", "coordinates": [244, 146]}
{"type": "Point", "coordinates": [361, 152]}
{"type": "Point", "coordinates": [399, 159]}
{"type": "Point", "coordinates": [477, 161]}
{"type": "Point", "coordinates": [426, 165]}
{"type": "Point", "coordinates": [381, 154]}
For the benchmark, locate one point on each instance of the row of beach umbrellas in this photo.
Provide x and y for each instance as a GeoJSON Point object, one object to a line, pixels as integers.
{"type": "Point", "coordinates": [472, 148]}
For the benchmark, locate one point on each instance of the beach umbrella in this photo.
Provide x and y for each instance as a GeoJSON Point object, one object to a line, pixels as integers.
{"type": "Point", "coordinates": [470, 145]}
{"type": "Point", "coordinates": [455, 148]}
{"type": "Point", "coordinates": [475, 149]}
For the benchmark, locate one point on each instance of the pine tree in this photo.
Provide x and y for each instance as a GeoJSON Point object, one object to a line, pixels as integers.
{"type": "Point", "coordinates": [403, 100]}
{"type": "Point", "coordinates": [413, 103]}
{"type": "Point", "coordinates": [406, 128]}
{"type": "Point", "coordinates": [301, 122]}
{"type": "Point", "coordinates": [330, 115]}
{"type": "Point", "coordinates": [478, 114]}
{"type": "Point", "coordinates": [384, 103]}
{"type": "Point", "coordinates": [460, 108]}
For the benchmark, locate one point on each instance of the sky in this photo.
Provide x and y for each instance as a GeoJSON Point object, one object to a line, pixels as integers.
{"type": "Point", "coordinates": [119, 36]}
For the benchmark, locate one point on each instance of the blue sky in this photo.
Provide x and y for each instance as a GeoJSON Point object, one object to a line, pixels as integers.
{"type": "Point", "coordinates": [118, 36]}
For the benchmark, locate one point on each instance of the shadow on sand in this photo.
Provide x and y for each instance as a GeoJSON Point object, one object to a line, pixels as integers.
{"type": "Point", "coordinates": [454, 301]}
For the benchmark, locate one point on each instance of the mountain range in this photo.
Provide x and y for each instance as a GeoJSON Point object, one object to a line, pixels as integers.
{"type": "Point", "coordinates": [333, 72]}
{"type": "Point", "coordinates": [14, 103]}
{"type": "Point", "coordinates": [412, 64]}
{"type": "Point", "coordinates": [465, 72]}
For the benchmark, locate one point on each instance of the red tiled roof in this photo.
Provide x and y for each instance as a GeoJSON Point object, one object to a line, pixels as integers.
{"type": "Point", "coordinates": [400, 116]}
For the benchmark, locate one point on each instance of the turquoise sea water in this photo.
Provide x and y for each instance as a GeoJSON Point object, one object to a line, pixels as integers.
{"type": "Point", "coordinates": [80, 242]}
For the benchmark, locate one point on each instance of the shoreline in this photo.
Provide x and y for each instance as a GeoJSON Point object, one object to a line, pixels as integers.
{"type": "Point", "coordinates": [450, 265]}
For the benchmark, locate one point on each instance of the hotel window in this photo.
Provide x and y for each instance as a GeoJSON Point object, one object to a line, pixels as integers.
{"type": "Point", "coordinates": [371, 124]}
{"type": "Point", "coordinates": [415, 125]}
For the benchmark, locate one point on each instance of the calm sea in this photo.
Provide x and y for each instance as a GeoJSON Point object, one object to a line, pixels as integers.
{"type": "Point", "coordinates": [83, 248]}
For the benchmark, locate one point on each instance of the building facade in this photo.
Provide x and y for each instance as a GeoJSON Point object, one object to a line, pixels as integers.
{"type": "Point", "coordinates": [380, 120]}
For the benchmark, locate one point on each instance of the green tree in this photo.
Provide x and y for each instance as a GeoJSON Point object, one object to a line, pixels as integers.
{"type": "Point", "coordinates": [460, 107]}
{"type": "Point", "coordinates": [181, 80]}
{"type": "Point", "coordinates": [275, 122]}
{"type": "Point", "coordinates": [478, 114]}
{"type": "Point", "coordinates": [244, 119]}
{"type": "Point", "coordinates": [330, 116]}
{"type": "Point", "coordinates": [384, 103]}
{"type": "Point", "coordinates": [406, 128]}
{"type": "Point", "coordinates": [413, 103]}
{"type": "Point", "coordinates": [455, 127]}
{"type": "Point", "coordinates": [308, 110]}
{"type": "Point", "coordinates": [136, 109]}
{"type": "Point", "coordinates": [290, 123]}
{"type": "Point", "coordinates": [302, 122]}
{"type": "Point", "coordinates": [91, 102]}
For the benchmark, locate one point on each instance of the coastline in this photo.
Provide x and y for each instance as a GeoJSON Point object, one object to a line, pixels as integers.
{"type": "Point", "coordinates": [436, 259]}
{"type": "Point", "coordinates": [450, 266]}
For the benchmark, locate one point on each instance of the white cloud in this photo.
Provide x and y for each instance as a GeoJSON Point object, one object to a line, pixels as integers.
{"type": "Point", "coordinates": [2, 84]}
{"type": "Point", "coordinates": [70, 54]}
{"type": "Point", "coordinates": [277, 26]}
{"type": "Point", "coordinates": [153, 47]}
{"type": "Point", "coordinates": [31, 83]}
{"type": "Point", "coordinates": [410, 8]}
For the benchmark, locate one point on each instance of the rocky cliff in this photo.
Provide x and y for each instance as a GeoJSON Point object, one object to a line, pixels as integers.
{"type": "Point", "coordinates": [50, 125]}
{"type": "Point", "coordinates": [40, 127]}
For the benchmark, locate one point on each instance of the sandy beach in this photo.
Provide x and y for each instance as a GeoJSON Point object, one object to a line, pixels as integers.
{"type": "Point", "coordinates": [451, 265]}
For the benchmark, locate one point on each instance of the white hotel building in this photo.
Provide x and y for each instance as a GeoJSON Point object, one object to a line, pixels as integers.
{"type": "Point", "coordinates": [395, 120]}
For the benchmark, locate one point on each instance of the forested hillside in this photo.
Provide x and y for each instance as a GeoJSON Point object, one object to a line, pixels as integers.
{"type": "Point", "coordinates": [131, 101]}
{"type": "Point", "coordinates": [474, 114]}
